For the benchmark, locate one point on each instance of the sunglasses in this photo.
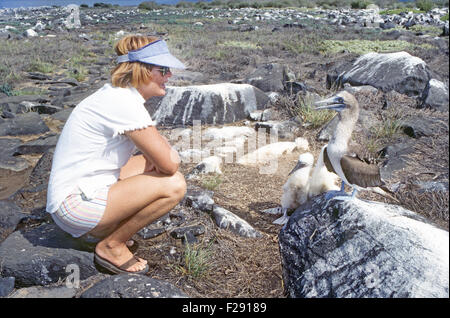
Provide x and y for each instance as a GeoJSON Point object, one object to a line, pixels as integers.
{"type": "Point", "coordinates": [164, 70]}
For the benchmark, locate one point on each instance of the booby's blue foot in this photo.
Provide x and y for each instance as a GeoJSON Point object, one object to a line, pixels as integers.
{"type": "Point", "coordinates": [334, 193]}
{"type": "Point", "coordinates": [339, 195]}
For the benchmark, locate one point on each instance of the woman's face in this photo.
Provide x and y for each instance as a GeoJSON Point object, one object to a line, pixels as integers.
{"type": "Point", "coordinates": [156, 86]}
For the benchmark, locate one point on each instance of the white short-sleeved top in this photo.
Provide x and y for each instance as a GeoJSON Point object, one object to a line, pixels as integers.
{"type": "Point", "coordinates": [92, 146]}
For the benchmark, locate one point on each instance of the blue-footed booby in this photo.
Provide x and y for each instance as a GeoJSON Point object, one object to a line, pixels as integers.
{"type": "Point", "coordinates": [321, 179]}
{"type": "Point", "coordinates": [296, 188]}
{"type": "Point", "coordinates": [353, 171]}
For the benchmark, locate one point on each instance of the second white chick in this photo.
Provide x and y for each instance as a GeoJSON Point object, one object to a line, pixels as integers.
{"type": "Point", "coordinates": [296, 188]}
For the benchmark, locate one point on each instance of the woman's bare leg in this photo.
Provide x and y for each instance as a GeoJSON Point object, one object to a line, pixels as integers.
{"type": "Point", "coordinates": [133, 203]}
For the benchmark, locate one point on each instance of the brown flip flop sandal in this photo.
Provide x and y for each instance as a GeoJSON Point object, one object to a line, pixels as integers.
{"type": "Point", "coordinates": [105, 264]}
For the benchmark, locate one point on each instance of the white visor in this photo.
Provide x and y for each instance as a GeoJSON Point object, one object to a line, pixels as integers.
{"type": "Point", "coordinates": [156, 53]}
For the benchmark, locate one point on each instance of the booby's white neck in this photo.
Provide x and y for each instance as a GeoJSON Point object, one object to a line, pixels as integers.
{"type": "Point", "coordinates": [343, 132]}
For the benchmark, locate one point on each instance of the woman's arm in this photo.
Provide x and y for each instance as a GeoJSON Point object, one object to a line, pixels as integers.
{"type": "Point", "coordinates": [156, 150]}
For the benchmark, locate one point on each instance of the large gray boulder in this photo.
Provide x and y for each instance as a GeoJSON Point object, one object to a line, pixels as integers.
{"type": "Point", "coordinates": [133, 286]}
{"type": "Point", "coordinates": [355, 248]}
{"type": "Point", "coordinates": [212, 104]}
{"type": "Point", "coordinates": [41, 256]}
{"type": "Point", "coordinates": [398, 71]}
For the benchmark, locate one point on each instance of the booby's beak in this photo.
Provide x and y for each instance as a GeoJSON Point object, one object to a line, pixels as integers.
{"type": "Point", "coordinates": [336, 103]}
{"type": "Point", "coordinates": [299, 165]}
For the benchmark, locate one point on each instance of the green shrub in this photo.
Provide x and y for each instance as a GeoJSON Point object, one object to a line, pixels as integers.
{"type": "Point", "coordinates": [211, 182]}
{"type": "Point", "coordinates": [359, 4]}
{"type": "Point", "coordinates": [400, 10]}
{"type": "Point", "coordinates": [444, 18]}
{"type": "Point", "coordinates": [202, 5]}
{"type": "Point", "coordinates": [217, 3]}
{"type": "Point", "coordinates": [7, 89]}
{"type": "Point", "coordinates": [327, 4]}
{"type": "Point", "coordinates": [424, 5]}
{"type": "Point", "coordinates": [184, 4]}
{"type": "Point", "coordinates": [256, 5]}
{"type": "Point", "coordinates": [149, 5]}
{"type": "Point", "coordinates": [309, 115]}
{"type": "Point", "coordinates": [102, 5]}
{"type": "Point", "coordinates": [40, 66]}
{"type": "Point", "coordinates": [425, 29]}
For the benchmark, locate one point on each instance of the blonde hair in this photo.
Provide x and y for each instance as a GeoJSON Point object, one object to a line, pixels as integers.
{"type": "Point", "coordinates": [131, 73]}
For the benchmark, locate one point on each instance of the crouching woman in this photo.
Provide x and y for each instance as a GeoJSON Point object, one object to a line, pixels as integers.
{"type": "Point", "coordinates": [96, 186]}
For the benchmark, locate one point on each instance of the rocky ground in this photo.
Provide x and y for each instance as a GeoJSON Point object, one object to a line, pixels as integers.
{"type": "Point", "coordinates": [45, 76]}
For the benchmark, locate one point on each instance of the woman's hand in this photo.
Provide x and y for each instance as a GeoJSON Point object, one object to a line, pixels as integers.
{"type": "Point", "coordinates": [149, 166]}
{"type": "Point", "coordinates": [161, 156]}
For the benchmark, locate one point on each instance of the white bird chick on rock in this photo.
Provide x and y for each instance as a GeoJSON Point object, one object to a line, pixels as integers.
{"type": "Point", "coordinates": [296, 188]}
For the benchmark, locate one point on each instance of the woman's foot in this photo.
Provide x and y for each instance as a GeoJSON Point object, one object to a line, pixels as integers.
{"type": "Point", "coordinates": [118, 254]}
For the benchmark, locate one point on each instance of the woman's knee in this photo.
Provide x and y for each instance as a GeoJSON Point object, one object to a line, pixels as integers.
{"type": "Point", "coordinates": [177, 186]}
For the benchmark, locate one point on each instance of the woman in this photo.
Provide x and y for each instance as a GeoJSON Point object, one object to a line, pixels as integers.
{"type": "Point", "coordinates": [96, 186]}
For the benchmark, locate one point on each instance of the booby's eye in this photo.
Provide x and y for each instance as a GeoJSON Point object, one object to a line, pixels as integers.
{"type": "Point", "coordinates": [340, 100]}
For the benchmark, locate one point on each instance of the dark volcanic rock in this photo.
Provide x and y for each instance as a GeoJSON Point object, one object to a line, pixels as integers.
{"type": "Point", "coordinates": [396, 157]}
{"type": "Point", "coordinates": [9, 146]}
{"type": "Point", "coordinates": [26, 107]}
{"type": "Point", "coordinates": [196, 230]}
{"type": "Point", "coordinates": [44, 292]}
{"type": "Point", "coordinates": [42, 254]}
{"type": "Point", "coordinates": [23, 124]}
{"type": "Point", "coordinates": [199, 199]}
{"type": "Point", "coordinates": [268, 77]}
{"type": "Point", "coordinates": [10, 216]}
{"type": "Point", "coordinates": [418, 127]}
{"type": "Point", "coordinates": [40, 145]}
{"type": "Point", "coordinates": [149, 232]}
{"type": "Point", "coordinates": [62, 115]}
{"type": "Point", "coordinates": [133, 286]}
{"type": "Point", "coordinates": [13, 170]}
{"type": "Point", "coordinates": [6, 286]}
{"type": "Point", "coordinates": [38, 180]}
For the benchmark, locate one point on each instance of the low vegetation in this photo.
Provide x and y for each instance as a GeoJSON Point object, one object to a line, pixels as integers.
{"type": "Point", "coordinates": [195, 262]}
{"type": "Point", "coordinates": [211, 181]}
{"type": "Point", "coordinates": [422, 5]}
{"type": "Point", "coordinates": [302, 108]}
{"type": "Point", "coordinates": [365, 46]}
{"type": "Point", "coordinates": [40, 66]}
